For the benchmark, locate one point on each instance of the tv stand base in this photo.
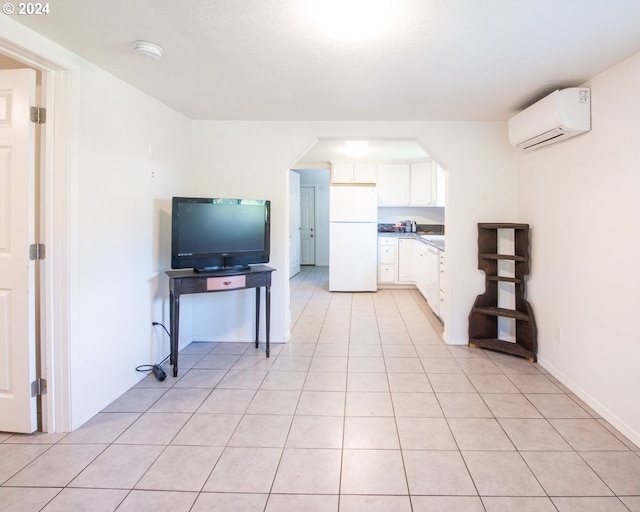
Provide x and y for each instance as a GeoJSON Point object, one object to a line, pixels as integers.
{"type": "Point", "coordinates": [186, 281]}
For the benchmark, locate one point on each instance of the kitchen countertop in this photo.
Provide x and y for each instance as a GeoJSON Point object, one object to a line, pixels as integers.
{"type": "Point", "coordinates": [435, 240]}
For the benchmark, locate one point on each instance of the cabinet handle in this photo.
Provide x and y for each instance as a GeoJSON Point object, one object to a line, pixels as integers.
{"type": "Point", "coordinates": [226, 283]}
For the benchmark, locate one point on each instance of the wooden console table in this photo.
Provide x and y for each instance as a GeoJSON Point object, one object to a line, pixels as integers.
{"type": "Point", "coordinates": [188, 281]}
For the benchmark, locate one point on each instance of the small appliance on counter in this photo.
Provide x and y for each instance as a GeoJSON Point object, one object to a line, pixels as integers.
{"type": "Point", "coordinates": [406, 226]}
{"type": "Point", "coordinates": [386, 228]}
{"type": "Point", "coordinates": [430, 229]}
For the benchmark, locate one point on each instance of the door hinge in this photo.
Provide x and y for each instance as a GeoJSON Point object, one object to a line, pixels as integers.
{"type": "Point", "coordinates": [39, 387]}
{"type": "Point", "coordinates": [38, 115]}
{"type": "Point", "coordinates": [36, 252]}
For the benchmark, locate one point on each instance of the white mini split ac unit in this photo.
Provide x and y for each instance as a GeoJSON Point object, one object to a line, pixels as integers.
{"type": "Point", "coordinates": [559, 116]}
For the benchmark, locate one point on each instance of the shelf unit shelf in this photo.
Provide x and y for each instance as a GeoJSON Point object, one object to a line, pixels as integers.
{"type": "Point", "coordinates": [508, 347]}
{"type": "Point", "coordinates": [485, 313]}
{"type": "Point", "coordinates": [513, 257]}
{"type": "Point", "coordinates": [508, 313]}
{"type": "Point", "coordinates": [504, 279]}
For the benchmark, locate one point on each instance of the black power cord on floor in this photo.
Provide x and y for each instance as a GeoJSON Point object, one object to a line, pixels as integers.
{"type": "Point", "coordinates": [157, 370]}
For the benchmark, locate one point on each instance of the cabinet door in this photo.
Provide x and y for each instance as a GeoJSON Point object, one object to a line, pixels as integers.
{"type": "Point", "coordinates": [433, 279]}
{"type": "Point", "coordinates": [423, 184]}
{"type": "Point", "coordinates": [420, 269]}
{"type": "Point", "coordinates": [386, 255]}
{"type": "Point", "coordinates": [364, 173]}
{"type": "Point", "coordinates": [393, 184]}
{"type": "Point", "coordinates": [342, 173]}
{"type": "Point", "coordinates": [406, 255]}
{"type": "Point", "coordinates": [387, 247]}
{"type": "Point", "coordinates": [353, 173]}
{"type": "Point", "coordinates": [386, 274]}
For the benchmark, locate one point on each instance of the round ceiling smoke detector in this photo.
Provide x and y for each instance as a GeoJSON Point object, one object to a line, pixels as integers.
{"type": "Point", "coordinates": [147, 49]}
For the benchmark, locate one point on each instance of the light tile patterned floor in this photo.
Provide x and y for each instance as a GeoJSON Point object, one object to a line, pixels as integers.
{"type": "Point", "coordinates": [365, 409]}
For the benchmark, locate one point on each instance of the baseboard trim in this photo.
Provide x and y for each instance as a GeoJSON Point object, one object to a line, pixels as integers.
{"type": "Point", "coordinates": [599, 408]}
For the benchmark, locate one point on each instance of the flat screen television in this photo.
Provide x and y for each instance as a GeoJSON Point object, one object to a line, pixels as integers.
{"type": "Point", "coordinates": [219, 233]}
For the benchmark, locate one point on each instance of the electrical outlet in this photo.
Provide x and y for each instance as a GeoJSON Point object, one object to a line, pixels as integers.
{"type": "Point", "coordinates": [556, 334]}
{"type": "Point", "coordinates": [153, 174]}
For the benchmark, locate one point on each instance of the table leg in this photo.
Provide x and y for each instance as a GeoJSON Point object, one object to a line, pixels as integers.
{"type": "Point", "coordinates": [174, 318]}
{"type": "Point", "coordinates": [267, 293]}
{"type": "Point", "coordinates": [257, 316]}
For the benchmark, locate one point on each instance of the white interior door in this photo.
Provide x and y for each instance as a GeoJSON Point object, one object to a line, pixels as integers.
{"type": "Point", "coordinates": [18, 409]}
{"type": "Point", "coordinates": [294, 223]}
{"type": "Point", "coordinates": [307, 225]}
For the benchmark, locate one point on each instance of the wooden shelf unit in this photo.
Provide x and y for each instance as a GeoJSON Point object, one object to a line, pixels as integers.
{"type": "Point", "coordinates": [483, 319]}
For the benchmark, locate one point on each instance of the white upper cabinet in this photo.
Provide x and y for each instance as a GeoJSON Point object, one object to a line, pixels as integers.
{"type": "Point", "coordinates": [398, 184]}
{"type": "Point", "coordinates": [423, 184]}
{"type": "Point", "coordinates": [414, 184]}
{"type": "Point", "coordinates": [407, 184]}
{"type": "Point", "coordinates": [394, 184]}
{"type": "Point", "coordinates": [353, 173]}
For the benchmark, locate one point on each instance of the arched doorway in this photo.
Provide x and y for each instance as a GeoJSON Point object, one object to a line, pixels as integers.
{"type": "Point", "coordinates": [390, 155]}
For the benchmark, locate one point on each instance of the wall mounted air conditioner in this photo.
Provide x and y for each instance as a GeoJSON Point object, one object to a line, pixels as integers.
{"type": "Point", "coordinates": [559, 116]}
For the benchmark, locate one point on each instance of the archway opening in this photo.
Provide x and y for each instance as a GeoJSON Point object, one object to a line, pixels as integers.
{"type": "Point", "coordinates": [402, 206]}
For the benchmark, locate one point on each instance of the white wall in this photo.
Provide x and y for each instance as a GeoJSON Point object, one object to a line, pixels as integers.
{"type": "Point", "coordinates": [118, 227]}
{"type": "Point", "coordinates": [121, 235]}
{"type": "Point", "coordinates": [246, 158]}
{"type": "Point", "coordinates": [581, 199]}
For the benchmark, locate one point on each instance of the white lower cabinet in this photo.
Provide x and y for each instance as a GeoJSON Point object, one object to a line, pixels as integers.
{"type": "Point", "coordinates": [387, 248]}
{"type": "Point", "coordinates": [427, 275]}
{"type": "Point", "coordinates": [403, 261]}
{"type": "Point", "coordinates": [386, 274]}
{"type": "Point", "coordinates": [420, 272]}
{"type": "Point", "coordinates": [396, 260]}
{"type": "Point", "coordinates": [406, 255]}
{"type": "Point", "coordinates": [433, 279]}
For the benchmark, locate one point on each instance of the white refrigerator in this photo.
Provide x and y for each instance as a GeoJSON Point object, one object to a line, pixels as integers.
{"type": "Point", "coordinates": [353, 239]}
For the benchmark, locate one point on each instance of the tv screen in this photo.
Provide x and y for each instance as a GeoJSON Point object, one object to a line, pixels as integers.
{"type": "Point", "coordinates": [219, 233]}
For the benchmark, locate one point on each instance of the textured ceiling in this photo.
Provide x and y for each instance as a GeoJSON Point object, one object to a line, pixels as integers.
{"type": "Point", "coordinates": [441, 60]}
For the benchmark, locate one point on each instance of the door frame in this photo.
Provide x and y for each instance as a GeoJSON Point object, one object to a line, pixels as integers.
{"type": "Point", "coordinates": [294, 236]}
{"type": "Point", "coordinates": [58, 140]}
